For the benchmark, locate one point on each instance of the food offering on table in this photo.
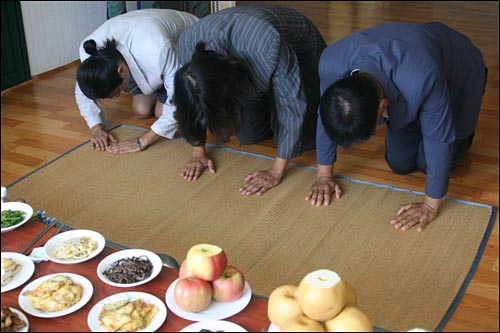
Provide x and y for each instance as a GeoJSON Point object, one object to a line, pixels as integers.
{"type": "Point", "coordinates": [204, 275]}
{"type": "Point", "coordinates": [9, 269]}
{"type": "Point", "coordinates": [75, 246]}
{"type": "Point", "coordinates": [55, 295]}
{"type": "Point", "coordinates": [16, 270]}
{"type": "Point", "coordinates": [207, 284]}
{"type": "Point", "coordinates": [127, 315]}
{"type": "Point", "coordinates": [13, 320]}
{"type": "Point", "coordinates": [12, 217]}
{"type": "Point", "coordinates": [129, 268]}
{"type": "Point", "coordinates": [127, 312]}
{"type": "Point", "coordinates": [75, 249]}
{"type": "Point", "coordinates": [321, 302]}
{"type": "Point", "coordinates": [15, 214]}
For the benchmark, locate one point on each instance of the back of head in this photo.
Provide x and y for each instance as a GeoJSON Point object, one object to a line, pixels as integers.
{"type": "Point", "coordinates": [348, 110]}
{"type": "Point", "coordinates": [210, 92]}
{"type": "Point", "coordinates": [98, 75]}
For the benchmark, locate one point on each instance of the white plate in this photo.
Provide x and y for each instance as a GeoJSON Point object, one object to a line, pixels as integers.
{"type": "Point", "coordinates": [55, 241]}
{"type": "Point", "coordinates": [27, 209]}
{"type": "Point", "coordinates": [23, 317]}
{"type": "Point", "coordinates": [216, 310]}
{"type": "Point", "coordinates": [214, 326]}
{"type": "Point", "coordinates": [158, 320]}
{"type": "Point", "coordinates": [23, 275]}
{"type": "Point", "coordinates": [25, 303]}
{"type": "Point", "coordinates": [106, 263]}
{"type": "Point", "coordinates": [273, 328]}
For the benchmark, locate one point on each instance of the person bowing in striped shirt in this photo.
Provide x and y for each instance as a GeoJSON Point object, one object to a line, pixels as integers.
{"type": "Point", "coordinates": [249, 71]}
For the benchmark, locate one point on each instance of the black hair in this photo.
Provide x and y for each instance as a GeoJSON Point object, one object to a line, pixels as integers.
{"type": "Point", "coordinates": [211, 92]}
{"type": "Point", "coordinates": [348, 110]}
{"type": "Point", "coordinates": [98, 75]}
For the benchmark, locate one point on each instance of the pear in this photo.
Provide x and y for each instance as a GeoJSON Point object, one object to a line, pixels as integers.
{"type": "Point", "coordinates": [322, 294]}
{"type": "Point", "coordinates": [350, 319]}
{"type": "Point", "coordinates": [283, 305]}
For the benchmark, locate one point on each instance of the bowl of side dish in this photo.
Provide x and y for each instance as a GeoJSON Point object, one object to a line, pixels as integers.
{"type": "Point", "coordinates": [75, 246]}
{"type": "Point", "coordinates": [15, 214]}
{"type": "Point", "coordinates": [129, 268]}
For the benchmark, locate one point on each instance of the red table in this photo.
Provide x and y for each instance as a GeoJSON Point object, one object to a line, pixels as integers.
{"type": "Point", "coordinates": [253, 318]}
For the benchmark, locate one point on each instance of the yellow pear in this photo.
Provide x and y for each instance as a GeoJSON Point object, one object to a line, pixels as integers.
{"type": "Point", "coordinates": [350, 319]}
{"type": "Point", "coordinates": [322, 294]}
{"type": "Point", "coordinates": [351, 297]}
{"type": "Point", "coordinates": [283, 305]}
{"type": "Point", "coordinates": [301, 323]}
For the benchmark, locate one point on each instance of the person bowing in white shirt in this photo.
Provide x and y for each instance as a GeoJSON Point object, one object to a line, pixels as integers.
{"type": "Point", "coordinates": [132, 53]}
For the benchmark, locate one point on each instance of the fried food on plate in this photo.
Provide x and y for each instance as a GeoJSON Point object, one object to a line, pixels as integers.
{"type": "Point", "coordinates": [11, 321]}
{"type": "Point", "coordinates": [9, 269]}
{"type": "Point", "coordinates": [127, 316]}
{"type": "Point", "coordinates": [55, 294]}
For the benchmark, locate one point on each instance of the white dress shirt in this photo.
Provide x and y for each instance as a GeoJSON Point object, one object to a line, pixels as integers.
{"type": "Point", "coordinates": [147, 41]}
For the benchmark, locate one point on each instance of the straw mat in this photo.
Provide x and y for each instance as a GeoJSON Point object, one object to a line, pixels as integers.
{"type": "Point", "coordinates": [402, 279]}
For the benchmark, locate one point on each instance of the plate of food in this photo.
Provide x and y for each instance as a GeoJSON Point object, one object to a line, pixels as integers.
{"type": "Point", "coordinates": [216, 310]}
{"type": "Point", "coordinates": [129, 268]}
{"type": "Point", "coordinates": [75, 246]}
{"type": "Point", "coordinates": [55, 295]}
{"type": "Point", "coordinates": [213, 326]}
{"type": "Point", "coordinates": [127, 312]}
{"type": "Point", "coordinates": [14, 320]}
{"type": "Point", "coordinates": [16, 270]}
{"type": "Point", "coordinates": [15, 214]}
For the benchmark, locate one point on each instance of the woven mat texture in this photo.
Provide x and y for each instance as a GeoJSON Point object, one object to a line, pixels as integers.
{"type": "Point", "coordinates": [402, 279]}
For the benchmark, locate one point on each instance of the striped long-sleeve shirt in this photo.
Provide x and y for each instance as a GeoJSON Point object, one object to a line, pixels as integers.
{"type": "Point", "coordinates": [281, 49]}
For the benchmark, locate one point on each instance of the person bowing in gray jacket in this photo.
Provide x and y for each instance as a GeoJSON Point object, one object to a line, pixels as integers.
{"type": "Point", "coordinates": [249, 71]}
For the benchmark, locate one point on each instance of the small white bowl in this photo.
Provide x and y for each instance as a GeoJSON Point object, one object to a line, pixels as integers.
{"type": "Point", "coordinates": [27, 209]}
{"type": "Point", "coordinates": [106, 263]}
{"type": "Point", "coordinates": [53, 243]}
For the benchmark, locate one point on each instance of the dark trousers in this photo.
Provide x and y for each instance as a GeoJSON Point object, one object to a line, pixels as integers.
{"type": "Point", "coordinates": [405, 150]}
{"type": "Point", "coordinates": [257, 121]}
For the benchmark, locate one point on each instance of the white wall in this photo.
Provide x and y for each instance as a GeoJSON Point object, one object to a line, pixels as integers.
{"type": "Point", "coordinates": [55, 29]}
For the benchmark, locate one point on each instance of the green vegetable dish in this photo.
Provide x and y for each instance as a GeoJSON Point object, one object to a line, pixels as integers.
{"type": "Point", "coordinates": [12, 217]}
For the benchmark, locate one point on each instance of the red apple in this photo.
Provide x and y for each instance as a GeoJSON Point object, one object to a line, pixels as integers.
{"type": "Point", "coordinates": [206, 261]}
{"type": "Point", "coordinates": [183, 273]}
{"type": "Point", "coordinates": [229, 286]}
{"type": "Point", "coordinates": [193, 294]}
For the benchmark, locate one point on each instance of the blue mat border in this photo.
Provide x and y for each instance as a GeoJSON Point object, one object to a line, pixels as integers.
{"type": "Point", "coordinates": [462, 289]}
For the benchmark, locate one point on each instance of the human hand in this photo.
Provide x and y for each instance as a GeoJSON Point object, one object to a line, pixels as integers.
{"type": "Point", "coordinates": [321, 191]}
{"type": "Point", "coordinates": [99, 138]}
{"type": "Point", "coordinates": [419, 213]}
{"type": "Point", "coordinates": [259, 182]}
{"type": "Point", "coordinates": [124, 147]}
{"type": "Point", "coordinates": [196, 165]}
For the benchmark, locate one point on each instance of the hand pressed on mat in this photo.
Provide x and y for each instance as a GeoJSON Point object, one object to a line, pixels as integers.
{"type": "Point", "coordinates": [419, 213]}
{"type": "Point", "coordinates": [197, 164]}
{"type": "Point", "coordinates": [258, 182]}
{"type": "Point", "coordinates": [99, 139]}
{"type": "Point", "coordinates": [321, 190]}
{"type": "Point", "coordinates": [134, 145]}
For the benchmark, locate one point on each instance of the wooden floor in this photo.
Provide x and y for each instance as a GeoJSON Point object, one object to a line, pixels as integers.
{"type": "Point", "coordinates": [40, 121]}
